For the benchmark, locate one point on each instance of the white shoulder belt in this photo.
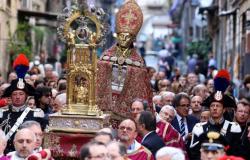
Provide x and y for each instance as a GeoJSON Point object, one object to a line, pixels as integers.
{"type": "Point", "coordinates": [18, 123]}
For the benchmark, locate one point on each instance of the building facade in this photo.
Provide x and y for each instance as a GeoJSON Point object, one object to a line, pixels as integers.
{"type": "Point", "coordinates": [8, 24]}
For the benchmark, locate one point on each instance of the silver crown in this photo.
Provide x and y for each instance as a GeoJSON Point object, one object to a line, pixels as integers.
{"type": "Point", "coordinates": [20, 84]}
{"type": "Point", "coordinates": [218, 96]}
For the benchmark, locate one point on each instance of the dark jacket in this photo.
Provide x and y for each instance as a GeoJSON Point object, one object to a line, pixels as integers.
{"type": "Point", "coordinates": [153, 142]}
{"type": "Point", "coordinates": [9, 117]}
{"type": "Point", "coordinates": [191, 121]}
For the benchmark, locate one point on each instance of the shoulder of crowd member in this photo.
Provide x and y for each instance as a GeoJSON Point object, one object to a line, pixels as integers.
{"type": "Point", "coordinates": [2, 111]}
{"type": "Point", "coordinates": [235, 127]}
{"type": "Point", "coordinates": [198, 128]}
{"type": "Point", "coordinates": [38, 113]}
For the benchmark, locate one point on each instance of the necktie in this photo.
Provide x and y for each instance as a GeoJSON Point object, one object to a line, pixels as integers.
{"type": "Point", "coordinates": [182, 128]}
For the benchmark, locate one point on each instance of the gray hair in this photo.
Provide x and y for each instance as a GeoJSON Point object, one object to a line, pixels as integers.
{"type": "Point", "coordinates": [3, 136]}
{"type": "Point", "coordinates": [61, 98]}
{"type": "Point", "coordinates": [28, 124]}
{"type": "Point", "coordinates": [122, 148]}
{"type": "Point", "coordinates": [48, 66]}
{"type": "Point", "coordinates": [25, 129]}
{"type": "Point", "coordinates": [167, 93]}
{"type": "Point", "coordinates": [168, 107]}
{"type": "Point", "coordinates": [174, 153]}
{"type": "Point", "coordinates": [197, 88]}
{"type": "Point", "coordinates": [156, 97]}
{"type": "Point", "coordinates": [110, 131]}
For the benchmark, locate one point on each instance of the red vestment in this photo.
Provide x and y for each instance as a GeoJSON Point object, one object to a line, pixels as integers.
{"type": "Point", "coordinates": [136, 85]}
{"type": "Point", "coordinates": [139, 138]}
{"type": "Point", "coordinates": [170, 136]}
{"type": "Point", "coordinates": [141, 154]}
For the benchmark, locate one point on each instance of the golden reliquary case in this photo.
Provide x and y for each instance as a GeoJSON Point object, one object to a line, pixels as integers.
{"type": "Point", "coordinates": [82, 29]}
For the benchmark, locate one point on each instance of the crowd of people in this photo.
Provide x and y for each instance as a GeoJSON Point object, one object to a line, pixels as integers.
{"type": "Point", "coordinates": [172, 116]}
{"type": "Point", "coordinates": [189, 120]}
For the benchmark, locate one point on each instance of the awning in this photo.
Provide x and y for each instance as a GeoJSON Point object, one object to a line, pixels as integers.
{"type": "Point", "coordinates": [23, 15]}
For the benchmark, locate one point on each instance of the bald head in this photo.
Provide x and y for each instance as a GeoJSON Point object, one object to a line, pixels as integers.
{"type": "Point", "coordinates": [127, 132]}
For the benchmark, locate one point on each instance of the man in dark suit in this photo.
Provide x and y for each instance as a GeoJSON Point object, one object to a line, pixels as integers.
{"type": "Point", "coordinates": [146, 127]}
{"type": "Point", "coordinates": [183, 122]}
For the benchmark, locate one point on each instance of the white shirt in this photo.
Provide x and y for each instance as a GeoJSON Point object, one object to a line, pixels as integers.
{"type": "Point", "coordinates": [185, 123]}
{"type": "Point", "coordinates": [135, 146]}
{"type": "Point", "coordinates": [13, 156]}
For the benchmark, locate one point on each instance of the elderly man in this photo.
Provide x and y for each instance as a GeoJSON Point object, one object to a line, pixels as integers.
{"type": "Point", "coordinates": [24, 143]}
{"type": "Point", "coordinates": [117, 151]}
{"type": "Point", "coordinates": [127, 132]}
{"type": "Point", "coordinates": [167, 98]}
{"type": "Point", "coordinates": [59, 102]}
{"type": "Point", "coordinates": [170, 153]}
{"type": "Point", "coordinates": [157, 102]}
{"type": "Point", "coordinates": [166, 131]}
{"type": "Point", "coordinates": [36, 128]}
{"type": "Point", "coordinates": [167, 113]}
{"type": "Point", "coordinates": [137, 107]}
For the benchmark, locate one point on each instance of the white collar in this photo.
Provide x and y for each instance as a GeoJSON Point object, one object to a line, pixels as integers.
{"type": "Point", "coordinates": [146, 136]}
{"type": "Point", "coordinates": [18, 109]}
{"type": "Point", "coordinates": [136, 146]}
{"type": "Point", "coordinates": [14, 156]}
{"type": "Point", "coordinates": [179, 117]}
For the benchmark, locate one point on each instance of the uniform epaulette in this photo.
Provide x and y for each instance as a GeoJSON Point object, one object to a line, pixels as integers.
{"type": "Point", "coordinates": [1, 113]}
{"type": "Point", "coordinates": [38, 113]}
{"type": "Point", "coordinates": [198, 128]}
{"type": "Point", "coordinates": [235, 127]}
{"type": "Point", "coordinates": [2, 110]}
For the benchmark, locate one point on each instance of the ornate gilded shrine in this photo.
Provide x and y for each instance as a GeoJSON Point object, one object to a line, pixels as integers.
{"type": "Point", "coordinates": [82, 29]}
{"type": "Point", "coordinates": [81, 81]}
